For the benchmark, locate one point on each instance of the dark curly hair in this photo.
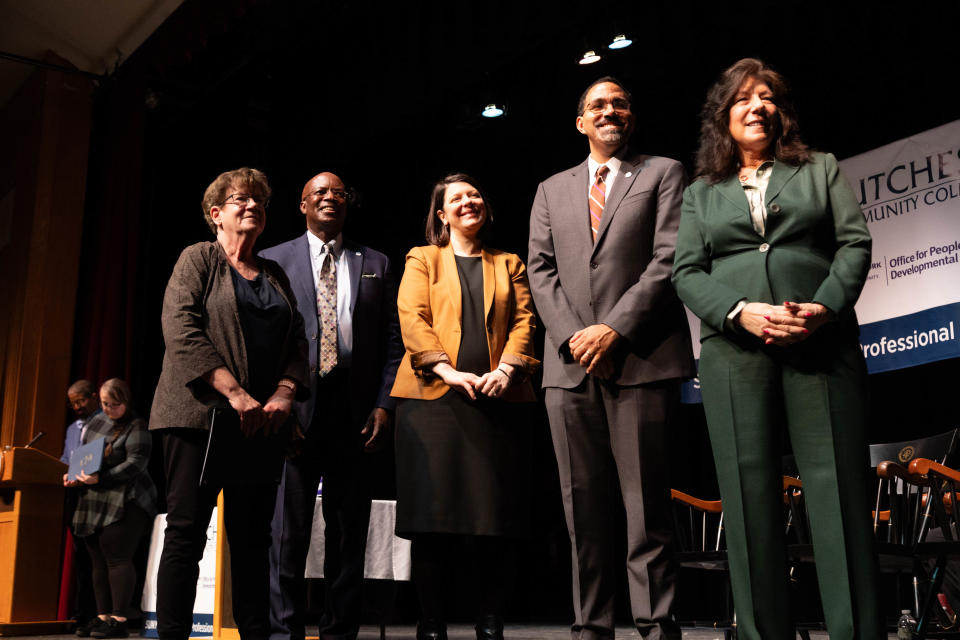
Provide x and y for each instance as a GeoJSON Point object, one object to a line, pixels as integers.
{"type": "Point", "coordinates": [438, 233]}
{"type": "Point", "coordinates": [718, 157]}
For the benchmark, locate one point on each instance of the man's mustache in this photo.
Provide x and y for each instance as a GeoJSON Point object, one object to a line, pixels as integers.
{"type": "Point", "coordinates": [610, 120]}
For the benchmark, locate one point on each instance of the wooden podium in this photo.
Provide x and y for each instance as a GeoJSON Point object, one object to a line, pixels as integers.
{"type": "Point", "coordinates": [31, 534]}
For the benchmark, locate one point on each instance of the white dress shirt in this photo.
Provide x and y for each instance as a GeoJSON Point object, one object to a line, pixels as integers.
{"type": "Point", "coordinates": [755, 188]}
{"type": "Point", "coordinates": [613, 164]}
{"type": "Point", "coordinates": [318, 251]}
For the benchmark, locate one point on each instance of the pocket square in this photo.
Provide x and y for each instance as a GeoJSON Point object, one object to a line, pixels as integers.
{"type": "Point", "coordinates": [369, 275]}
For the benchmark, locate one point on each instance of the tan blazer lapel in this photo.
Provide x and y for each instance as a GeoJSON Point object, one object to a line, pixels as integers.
{"type": "Point", "coordinates": [449, 264]}
{"type": "Point", "coordinates": [489, 285]}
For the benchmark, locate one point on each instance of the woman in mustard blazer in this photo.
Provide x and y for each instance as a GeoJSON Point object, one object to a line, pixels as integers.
{"type": "Point", "coordinates": [772, 253]}
{"type": "Point", "coordinates": [467, 321]}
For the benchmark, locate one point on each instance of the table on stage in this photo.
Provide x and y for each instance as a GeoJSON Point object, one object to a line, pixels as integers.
{"type": "Point", "coordinates": [388, 557]}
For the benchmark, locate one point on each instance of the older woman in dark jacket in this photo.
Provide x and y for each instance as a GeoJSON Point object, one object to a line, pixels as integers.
{"type": "Point", "coordinates": [236, 357]}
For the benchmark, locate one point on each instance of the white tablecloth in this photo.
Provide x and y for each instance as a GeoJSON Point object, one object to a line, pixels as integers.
{"type": "Point", "coordinates": [388, 557]}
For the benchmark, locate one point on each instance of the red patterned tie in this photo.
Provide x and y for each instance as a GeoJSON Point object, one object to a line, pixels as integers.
{"type": "Point", "coordinates": [598, 195]}
{"type": "Point", "coordinates": [327, 313]}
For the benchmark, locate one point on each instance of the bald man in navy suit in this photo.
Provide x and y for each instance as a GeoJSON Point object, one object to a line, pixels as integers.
{"type": "Point", "coordinates": [347, 416]}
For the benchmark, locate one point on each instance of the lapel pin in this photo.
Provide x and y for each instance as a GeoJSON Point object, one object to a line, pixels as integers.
{"type": "Point", "coordinates": [628, 174]}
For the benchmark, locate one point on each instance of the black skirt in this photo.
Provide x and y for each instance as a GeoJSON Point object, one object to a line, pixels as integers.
{"type": "Point", "coordinates": [463, 466]}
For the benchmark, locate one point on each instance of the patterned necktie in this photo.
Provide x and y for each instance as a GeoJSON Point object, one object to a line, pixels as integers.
{"type": "Point", "coordinates": [598, 195]}
{"type": "Point", "coordinates": [327, 313]}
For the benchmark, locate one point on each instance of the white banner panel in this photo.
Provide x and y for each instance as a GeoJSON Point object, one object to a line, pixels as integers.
{"type": "Point", "coordinates": [909, 311]}
{"type": "Point", "coordinates": [206, 582]}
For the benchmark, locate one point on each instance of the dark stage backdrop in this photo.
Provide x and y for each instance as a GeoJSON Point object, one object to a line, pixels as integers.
{"type": "Point", "coordinates": [390, 100]}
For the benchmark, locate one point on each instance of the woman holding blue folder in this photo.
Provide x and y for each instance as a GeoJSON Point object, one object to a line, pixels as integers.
{"type": "Point", "coordinates": [116, 506]}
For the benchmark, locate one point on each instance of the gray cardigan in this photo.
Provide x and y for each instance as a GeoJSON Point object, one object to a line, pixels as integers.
{"type": "Point", "coordinates": [201, 331]}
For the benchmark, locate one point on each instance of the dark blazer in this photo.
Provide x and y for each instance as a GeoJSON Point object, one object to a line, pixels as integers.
{"type": "Point", "coordinates": [816, 247]}
{"type": "Point", "coordinates": [622, 280]}
{"type": "Point", "coordinates": [201, 331]}
{"type": "Point", "coordinates": [430, 305]}
{"type": "Point", "coordinates": [377, 347]}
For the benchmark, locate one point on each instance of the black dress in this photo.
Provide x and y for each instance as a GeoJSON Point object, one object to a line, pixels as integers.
{"type": "Point", "coordinates": [463, 465]}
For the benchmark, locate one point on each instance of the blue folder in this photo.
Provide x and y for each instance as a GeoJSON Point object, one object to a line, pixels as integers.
{"type": "Point", "coordinates": [87, 458]}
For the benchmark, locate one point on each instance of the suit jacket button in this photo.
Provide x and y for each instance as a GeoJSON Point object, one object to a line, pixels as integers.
{"type": "Point", "coordinates": [594, 265]}
{"type": "Point", "coordinates": [764, 247]}
{"type": "Point", "coordinates": [775, 208]}
{"type": "Point", "coordinates": [313, 337]}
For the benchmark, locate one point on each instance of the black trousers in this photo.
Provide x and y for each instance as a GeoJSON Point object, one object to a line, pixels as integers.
{"type": "Point", "coordinates": [83, 606]}
{"type": "Point", "coordinates": [248, 507]}
{"type": "Point", "coordinates": [111, 552]}
{"type": "Point", "coordinates": [332, 449]}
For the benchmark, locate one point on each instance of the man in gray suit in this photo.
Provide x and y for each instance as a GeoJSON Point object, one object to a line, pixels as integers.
{"type": "Point", "coordinates": [617, 346]}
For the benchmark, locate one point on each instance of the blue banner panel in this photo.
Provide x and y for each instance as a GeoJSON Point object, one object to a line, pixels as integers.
{"type": "Point", "coordinates": [690, 390]}
{"type": "Point", "coordinates": [202, 625]}
{"type": "Point", "coordinates": [906, 341]}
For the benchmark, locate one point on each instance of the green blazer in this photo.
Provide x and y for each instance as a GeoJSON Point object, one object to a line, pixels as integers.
{"type": "Point", "coordinates": [816, 247]}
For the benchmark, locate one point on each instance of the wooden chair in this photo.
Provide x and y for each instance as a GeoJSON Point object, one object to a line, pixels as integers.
{"type": "Point", "coordinates": [700, 543]}
{"type": "Point", "coordinates": [914, 495]}
{"type": "Point", "coordinates": [942, 484]}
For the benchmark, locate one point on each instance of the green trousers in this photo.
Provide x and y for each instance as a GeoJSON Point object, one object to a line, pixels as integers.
{"type": "Point", "coordinates": [816, 392]}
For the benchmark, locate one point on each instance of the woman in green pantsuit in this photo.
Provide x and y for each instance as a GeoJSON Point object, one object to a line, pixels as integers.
{"type": "Point", "coordinates": [772, 253]}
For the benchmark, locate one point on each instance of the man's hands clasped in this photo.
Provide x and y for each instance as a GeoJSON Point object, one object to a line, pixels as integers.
{"type": "Point", "coordinates": [592, 347]}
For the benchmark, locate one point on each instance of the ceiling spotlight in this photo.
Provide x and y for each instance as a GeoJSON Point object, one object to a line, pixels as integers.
{"type": "Point", "coordinates": [589, 57]}
{"type": "Point", "coordinates": [492, 111]}
{"type": "Point", "coordinates": [619, 42]}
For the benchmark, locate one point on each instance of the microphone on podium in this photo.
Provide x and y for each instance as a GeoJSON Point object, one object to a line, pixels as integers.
{"type": "Point", "coordinates": [39, 435]}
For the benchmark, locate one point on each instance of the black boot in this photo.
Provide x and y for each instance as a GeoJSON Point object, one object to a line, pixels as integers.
{"type": "Point", "coordinates": [490, 627]}
{"type": "Point", "coordinates": [431, 629]}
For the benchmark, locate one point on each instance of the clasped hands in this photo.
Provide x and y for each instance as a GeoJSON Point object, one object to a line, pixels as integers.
{"type": "Point", "coordinates": [785, 324]}
{"type": "Point", "coordinates": [592, 347]}
{"type": "Point", "coordinates": [491, 384]}
{"type": "Point", "coordinates": [268, 417]}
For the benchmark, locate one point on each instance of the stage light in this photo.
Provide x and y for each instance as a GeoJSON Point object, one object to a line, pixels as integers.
{"type": "Point", "coordinates": [589, 58]}
{"type": "Point", "coordinates": [492, 111]}
{"type": "Point", "coordinates": [620, 42]}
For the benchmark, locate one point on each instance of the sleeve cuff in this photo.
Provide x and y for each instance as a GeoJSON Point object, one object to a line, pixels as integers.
{"type": "Point", "coordinates": [425, 360]}
{"type": "Point", "coordinates": [731, 321]}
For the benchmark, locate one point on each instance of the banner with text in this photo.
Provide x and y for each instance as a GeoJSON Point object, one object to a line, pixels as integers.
{"type": "Point", "coordinates": [909, 190]}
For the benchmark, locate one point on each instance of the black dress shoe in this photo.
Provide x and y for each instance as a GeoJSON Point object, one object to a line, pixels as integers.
{"type": "Point", "coordinates": [112, 628]}
{"type": "Point", "coordinates": [430, 629]}
{"type": "Point", "coordinates": [84, 628]}
{"type": "Point", "coordinates": [490, 627]}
